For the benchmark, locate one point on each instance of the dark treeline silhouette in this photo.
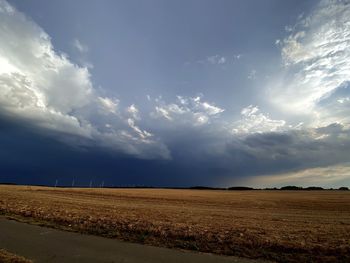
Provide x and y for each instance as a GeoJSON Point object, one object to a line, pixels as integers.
{"type": "Point", "coordinates": [310, 188]}
{"type": "Point", "coordinates": [288, 187]}
{"type": "Point", "coordinates": [206, 188]}
{"type": "Point", "coordinates": [199, 187]}
{"type": "Point", "coordinates": [291, 187]}
{"type": "Point", "coordinates": [314, 188]}
{"type": "Point", "coordinates": [240, 188]}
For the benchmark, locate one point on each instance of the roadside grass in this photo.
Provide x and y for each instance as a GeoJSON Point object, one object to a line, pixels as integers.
{"type": "Point", "coordinates": [7, 257]}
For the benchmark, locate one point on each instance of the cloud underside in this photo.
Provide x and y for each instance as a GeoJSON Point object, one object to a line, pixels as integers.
{"type": "Point", "coordinates": [46, 89]}
{"type": "Point", "coordinates": [43, 87]}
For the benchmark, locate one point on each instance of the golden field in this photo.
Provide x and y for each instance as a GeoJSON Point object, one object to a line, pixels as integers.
{"type": "Point", "coordinates": [283, 226]}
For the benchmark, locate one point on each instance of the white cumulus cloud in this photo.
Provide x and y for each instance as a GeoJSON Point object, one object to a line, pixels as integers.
{"type": "Point", "coordinates": [316, 57]}
{"type": "Point", "coordinates": [216, 60]}
{"type": "Point", "coordinates": [80, 46]}
{"type": "Point", "coordinates": [187, 110]}
{"type": "Point", "coordinates": [45, 88]}
{"type": "Point", "coordinates": [133, 111]}
{"type": "Point", "coordinates": [109, 105]}
{"type": "Point", "coordinates": [254, 121]}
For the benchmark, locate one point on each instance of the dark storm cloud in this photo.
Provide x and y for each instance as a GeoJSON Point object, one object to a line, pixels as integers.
{"type": "Point", "coordinates": [32, 156]}
{"type": "Point", "coordinates": [273, 153]}
{"type": "Point", "coordinates": [199, 157]}
{"type": "Point", "coordinates": [234, 157]}
{"type": "Point", "coordinates": [29, 156]}
{"type": "Point", "coordinates": [57, 123]}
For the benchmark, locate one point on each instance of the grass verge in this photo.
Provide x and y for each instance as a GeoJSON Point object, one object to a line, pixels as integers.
{"type": "Point", "coordinates": [7, 257]}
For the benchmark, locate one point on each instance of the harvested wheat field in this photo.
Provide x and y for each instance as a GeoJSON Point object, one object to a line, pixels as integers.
{"type": "Point", "coordinates": [284, 226]}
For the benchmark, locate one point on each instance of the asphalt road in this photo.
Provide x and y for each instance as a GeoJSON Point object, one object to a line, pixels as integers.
{"type": "Point", "coordinates": [49, 245]}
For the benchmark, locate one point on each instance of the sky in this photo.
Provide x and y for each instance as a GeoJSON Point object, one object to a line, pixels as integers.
{"type": "Point", "coordinates": [175, 93]}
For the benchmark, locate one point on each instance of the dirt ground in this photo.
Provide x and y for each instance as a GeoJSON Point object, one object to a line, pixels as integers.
{"type": "Point", "coordinates": [285, 226]}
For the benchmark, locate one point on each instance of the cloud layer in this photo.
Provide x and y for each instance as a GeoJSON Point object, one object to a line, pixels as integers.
{"type": "Point", "coordinates": [316, 59]}
{"type": "Point", "coordinates": [45, 88]}
{"type": "Point", "coordinates": [301, 127]}
{"type": "Point", "coordinates": [187, 110]}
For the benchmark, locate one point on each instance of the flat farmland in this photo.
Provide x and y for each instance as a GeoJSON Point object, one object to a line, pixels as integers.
{"type": "Point", "coordinates": [283, 226]}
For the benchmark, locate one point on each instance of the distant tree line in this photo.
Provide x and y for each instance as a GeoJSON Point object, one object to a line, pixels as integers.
{"type": "Point", "coordinates": [288, 187]}
{"type": "Point", "coordinates": [199, 187]}
{"type": "Point", "coordinates": [311, 188]}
